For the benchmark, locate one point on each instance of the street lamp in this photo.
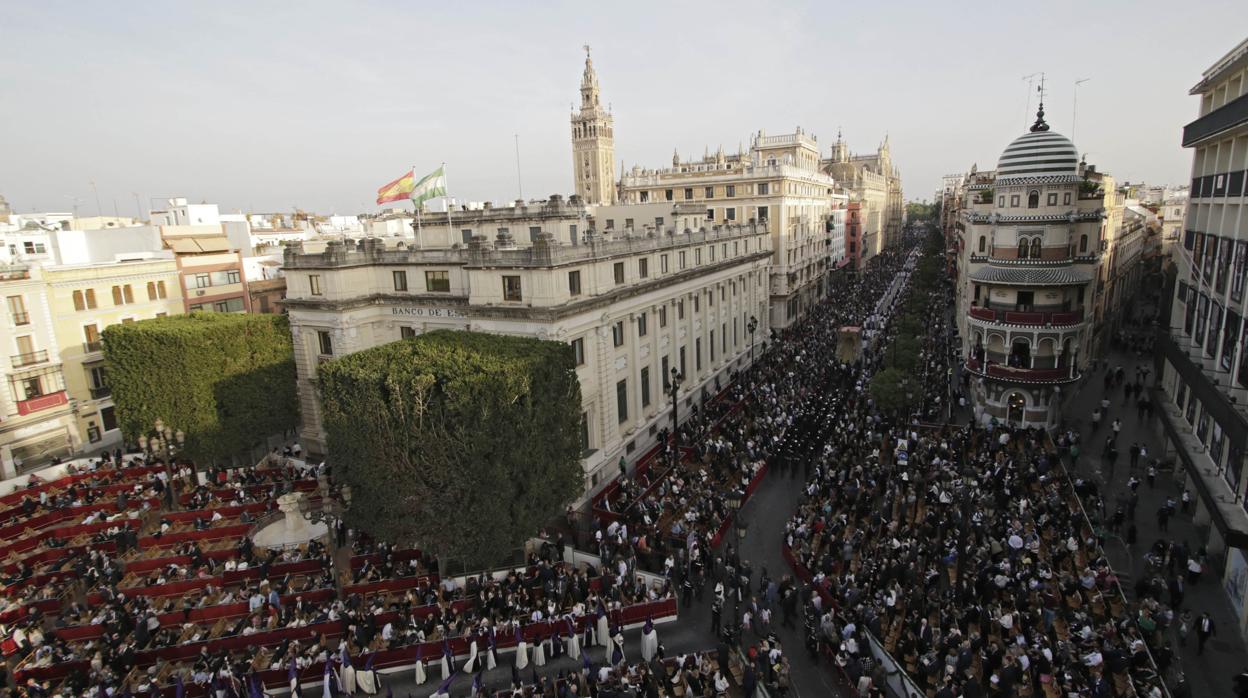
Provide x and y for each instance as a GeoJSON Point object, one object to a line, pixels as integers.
{"type": "Point", "coordinates": [162, 445]}
{"type": "Point", "coordinates": [751, 326]}
{"type": "Point", "coordinates": [673, 387]}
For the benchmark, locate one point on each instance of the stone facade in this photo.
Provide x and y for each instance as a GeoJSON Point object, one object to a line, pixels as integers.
{"type": "Point", "coordinates": [593, 143]}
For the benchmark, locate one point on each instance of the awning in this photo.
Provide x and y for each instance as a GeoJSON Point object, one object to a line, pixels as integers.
{"type": "Point", "coordinates": [1031, 276]}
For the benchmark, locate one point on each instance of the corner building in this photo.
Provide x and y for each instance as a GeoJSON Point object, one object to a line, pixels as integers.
{"type": "Point", "coordinates": [633, 307]}
{"type": "Point", "coordinates": [1026, 275]}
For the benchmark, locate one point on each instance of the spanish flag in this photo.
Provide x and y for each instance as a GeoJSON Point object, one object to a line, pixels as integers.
{"type": "Point", "coordinates": [397, 190]}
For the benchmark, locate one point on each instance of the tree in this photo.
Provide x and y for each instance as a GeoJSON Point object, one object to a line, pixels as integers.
{"type": "Point", "coordinates": [888, 389]}
{"type": "Point", "coordinates": [460, 443]}
{"type": "Point", "coordinates": [226, 379]}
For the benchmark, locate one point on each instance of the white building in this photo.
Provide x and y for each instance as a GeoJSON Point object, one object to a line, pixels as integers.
{"type": "Point", "coordinates": [633, 303]}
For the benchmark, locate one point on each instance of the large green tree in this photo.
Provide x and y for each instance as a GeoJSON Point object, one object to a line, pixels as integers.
{"type": "Point", "coordinates": [461, 443]}
{"type": "Point", "coordinates": [225, 379]}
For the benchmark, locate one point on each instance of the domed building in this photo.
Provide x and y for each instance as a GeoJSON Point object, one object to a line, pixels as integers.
{"type": "Point", "coordinates": [1030, 252]}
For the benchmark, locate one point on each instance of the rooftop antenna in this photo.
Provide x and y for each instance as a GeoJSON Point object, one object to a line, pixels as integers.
{"type": "Point", "coordinates": [99, 210]}
{"type": "Point", "coordinates": [1074, 110]}
{"type": "Point", "coordinates": [1030, 80]}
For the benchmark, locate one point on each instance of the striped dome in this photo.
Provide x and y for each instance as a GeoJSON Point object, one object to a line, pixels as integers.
{"type": "Point", "coordinates": [1039, 154]}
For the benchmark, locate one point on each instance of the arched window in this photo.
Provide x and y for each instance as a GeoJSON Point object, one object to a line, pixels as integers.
{"type": "Point", "coordinates": [1083, 244]}
{"type": "Point", "coordinates": [1033, 199]}
{"type": "Point", "coordinates": [983, 242]}
{"type": "Point", "coordinates": [1022, 248]}
{"type": "Point", "coordinates": [1035, 248]}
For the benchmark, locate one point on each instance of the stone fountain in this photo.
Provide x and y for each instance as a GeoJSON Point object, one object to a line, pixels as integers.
{"type": "Point", "coordinates": [290, 530]}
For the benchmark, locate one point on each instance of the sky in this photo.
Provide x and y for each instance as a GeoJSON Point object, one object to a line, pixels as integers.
{"type": "Point", "coordinates": [273, 106]}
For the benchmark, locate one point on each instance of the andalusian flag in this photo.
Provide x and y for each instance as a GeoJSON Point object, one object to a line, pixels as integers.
{"type": "Point", "coordinates": [397, 190]}
{"type": "Point", "coordinates": [431, 186]}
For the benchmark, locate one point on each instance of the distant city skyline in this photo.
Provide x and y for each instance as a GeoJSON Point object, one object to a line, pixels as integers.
{"type": "Point", "coordinates": [262, 109]}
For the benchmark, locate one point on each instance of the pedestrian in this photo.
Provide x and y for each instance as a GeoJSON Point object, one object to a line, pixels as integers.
{"type": "Point", "coordinates": [1186, 501]}
{"type": "Point", "coordinates": [1117, 427]}
{"type": "Point", "coordinates": [717, 610]}
{"type": "Point", "coordinates": [1163, 518]}
{"type": "Point", "coordinates": [1152, 476]}
{"type": "Point", "coordinates": [1205, 628]}
{"type": "Point", "coordinates": [1194, 568]}
{"type": "Point", "coordinates": [1185, 626]}
{"type": "Point", "coordinates": [1135, 454]}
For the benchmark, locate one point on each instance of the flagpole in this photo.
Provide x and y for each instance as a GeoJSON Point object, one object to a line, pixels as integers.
{"type": "Point", "coordinates": [417, 207]}
{"type": "Point", "coordinates": [450, 232]}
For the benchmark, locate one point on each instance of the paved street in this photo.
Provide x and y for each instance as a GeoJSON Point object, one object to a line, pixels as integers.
{"type": "Point", "coordinates": [1225, 655]}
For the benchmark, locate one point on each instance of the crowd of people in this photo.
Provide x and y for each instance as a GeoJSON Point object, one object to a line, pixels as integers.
{"type": "Point", "coordinates": [962, 551]}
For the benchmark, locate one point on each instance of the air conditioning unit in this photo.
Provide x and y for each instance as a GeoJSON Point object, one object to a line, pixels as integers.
{"type": "Point", "coordinates": [200, 292]}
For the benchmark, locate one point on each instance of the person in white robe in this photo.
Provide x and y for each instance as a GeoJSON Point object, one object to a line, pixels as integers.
{"type": "Point", "coordinates": [471, 664]}
{"type": "Point", "coordinates": [603, 632]}
{"type": "Point", "coordinates": [539, 651]}
{"type": "Point", "coordinates": [522, 650]}
{"type": "Point", "coordinates": [366, 678]}
{"type": "Point", "coordinates": [649, 641]}
{"type": "Point", "coordinates": [420, 665]}
{"type": "Point", "coordinates": [574, 642]}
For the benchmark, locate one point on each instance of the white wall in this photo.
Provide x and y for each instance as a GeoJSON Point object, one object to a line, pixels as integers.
{"type": "Point", "coordinates": [108, 244]}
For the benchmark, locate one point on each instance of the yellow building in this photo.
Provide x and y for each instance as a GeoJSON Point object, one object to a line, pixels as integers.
{"type": "Point", "coordinates": [83, 300]}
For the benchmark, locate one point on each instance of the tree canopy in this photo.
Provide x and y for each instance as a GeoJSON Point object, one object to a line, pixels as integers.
{"type": "Point", "coordinates": [225, 379]}
{"type": "Point", "coordinates": [461, 443]}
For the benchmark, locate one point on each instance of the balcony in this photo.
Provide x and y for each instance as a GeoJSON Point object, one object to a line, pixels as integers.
{"type": "Point", "coordinates": [101, 393]}
{"type": "Point", "coordinates": [42, 402]}
{"type": "Point", "coordinates": [1224, 118]}
{"type": "Point", "coordinates": [30, 358]}
{"type": "Point", "coordinates": [14, 272]}
{"type": "Point", "coordinates": [93, 346]}
{"type": "Point", "coordinates": [1062, 318]}
{"type": "Point", "coordinates": [21, 318]}
{"type": "Point", "coordinates": [1060, 374]}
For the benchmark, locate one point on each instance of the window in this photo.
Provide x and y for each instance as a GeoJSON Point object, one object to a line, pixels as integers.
{"type": "Point", "coordinates": [663, 263]}
{"type": "Point", "coordinates": [643, 267]}
{"type": "Point", "coordinates": [665, 374]}
{"type": "Point", "coordinates": [710, 214]}
{"type": "Point", "coordinates": [33, 247]}
{"type": "Point", "coordinates": [762, 213]}
{"type": "Point", "coordinates": [730, 214]}
{"type": "Point", "coordinates": [1066, 198]}
{"type": "Point", "coordinates": [645, 386]}
{"type": "Point", "coordinates": [400, 280]}
{"type": "Point", "coordinates": [128, 292]}
{"type": "Point", "coordinates": [325, 343]}
{"type": "Point", "coordinates": [1001, 201]}
{"type": "Point", "coordinates": [710, 192]}
{"type": "Point", "coordinates": [574, 283]}
{"type": "Point", "coordinates": [1035, 248]}
{"type": "Point", "coordinates": [196, 307]}
{"type": "Point", "coordinates": [983, 243]}
{"type": "Point", "coordinates": [680, 310]}
{"type": "Point", "coordinates": [204, 281]}
{"type": "Point", "coordinates": [617, 334]}
{"type": "Point", "coordinates": [611, 221]}
{"type": "Point", "coordinates": [667, 194]}
{"type": "Point", "coordinates": [17, 310]}
{"type": "Point", "coordinates": [1052, 199]}
{"type": "Point", "coordinates": [762, 189]}
{"type": "Point", "coordinates": [584, 431]}
{"type": "Point", "coordinates": [641, 325]}
{"type": "Point", "coordinates": [534, 231]}
{"type": "Point", "coordinates": [32, 387]}
{"type": "Point", "coordinates": [1083, 243]}
{"type": "Point", "coordinates": [645, 196]}
{"type": "Point", "coordinates": [682, 361]}
{"type": "Point", "coordinates": [621, 400]}
{"type": "Point", "coordinates": [151, 290]}
{"type": "Point", "coordinates": [109, 416]}
{"type": "Point", "coordinates": [628, 224]}
{"type": "Point", "coordinates": [437, 282]}
{"type": "Point", "coordinates": [682, 260]}
{"type": "Point", "coordinates": [712, 346]}
{"type": "Point", "coordinates": [730, 190]}
{"type": "Point", "coordinates": [1014, 200]}
{"type": "Point", "coordinates": [511, 288]}
{"type": "Point", "coordinates": [78, 301]}
{"type": "Point", "coordinates": [578, 350]}
{"type": "Point", "coordinates": [406, 332]}
{"type": "Point", "coordinates": [696, 304]}
{"type": "Point", "coordinates": [697, 354]}
{"type": "Point", "coordinates": [688, 193]}
{"type": "Point", "coordinates": [1022, 248]}
{"type": "Point", "coordinates": [232, 276]}
{"type": "Point", "coordinates": [117, 300]}
{"type": "Point", "coordinates": [572, 233]}
{"type": "Point", "coordinates": [619, 273]}
{"type": "Point", "coordinates": [662, 316]}
{"type": "Point", "coordinates": [465, 235]}
{"type": "Point", "coordinates": [1033, 199]}
{"type": "Point", "coordinates": [314, 284]}
{"type": "Point", "coordinates": [697, 256]}
{"type": "Point", "coordinates": [233, 305]}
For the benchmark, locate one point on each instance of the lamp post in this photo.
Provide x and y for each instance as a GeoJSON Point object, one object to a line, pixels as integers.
{"type": "Point", "coordinates": [751, 326]}
{"type": "Point", "coordinates": [162, 444]}
{"type": "Point", "coordinates": [673, 387]}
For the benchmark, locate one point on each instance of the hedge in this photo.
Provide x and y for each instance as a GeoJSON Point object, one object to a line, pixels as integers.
{"type": "Point", "coordinates": [225, 379]}
{"type": "Point", "coordinates": [460, 443]}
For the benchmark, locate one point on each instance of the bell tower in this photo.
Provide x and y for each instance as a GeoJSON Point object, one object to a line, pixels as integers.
{"type": "Point", "coordinates": [593, 143]}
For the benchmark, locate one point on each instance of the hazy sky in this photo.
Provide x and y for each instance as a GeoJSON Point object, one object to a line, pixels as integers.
{"type": "Point", "coordinates": [267, 106]}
